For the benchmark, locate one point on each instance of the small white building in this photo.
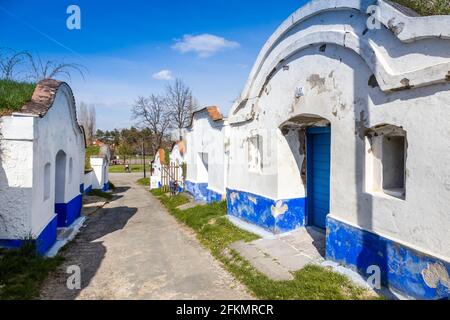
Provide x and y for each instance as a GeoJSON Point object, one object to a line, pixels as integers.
{"type": "Point", "coordinates": [100, 168]}
{"type": "Point", "coordinates": [206, 155]}
{"type": "Point", "coordinates": [177, 159]}
{"type": "Point", "coordinates": [41, 167]}
{"type": "Point", "coordinates": [343, 125]}
{"type": "Point", "coordinates": [157, 163]}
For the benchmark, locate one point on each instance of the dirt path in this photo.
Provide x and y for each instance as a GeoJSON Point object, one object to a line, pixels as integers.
{"type": "Point", "coordinates": [133, 249]}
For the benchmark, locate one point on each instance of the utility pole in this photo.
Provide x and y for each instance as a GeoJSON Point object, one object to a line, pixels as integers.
{"type": "Point", "coordinates": [143, 156]}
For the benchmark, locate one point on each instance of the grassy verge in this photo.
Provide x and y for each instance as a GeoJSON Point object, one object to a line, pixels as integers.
{"type": "Point", "coordinates": [133, 167]}
{"type": "Point", "coordinates": [22, 272]}
{"type": "Point", "coordinates": [14, 95]}
{"type": "Point", "coordinates": [216, 233]}
{"type": "Point", "coordinates": [144, 182]}
{"type": "Point", "coordinates": [101, 194]}
{"type": "Point", "coordinates": [427, 7]}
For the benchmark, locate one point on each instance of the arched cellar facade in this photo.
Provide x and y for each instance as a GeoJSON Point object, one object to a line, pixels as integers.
{"type": "Point", "coordinates": [344, 128]}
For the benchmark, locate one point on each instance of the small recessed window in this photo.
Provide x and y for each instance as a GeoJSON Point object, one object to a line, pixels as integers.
{"type": "Point", "coordinates": [47, 181]}
{"type": "Point", "coordinates": [386, 161]}
{"type": "Point", "coordinates": [255, 154]}
{"type": "Point", "coordinates": [70, 170]}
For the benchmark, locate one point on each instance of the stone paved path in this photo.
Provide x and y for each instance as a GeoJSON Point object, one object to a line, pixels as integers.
{"type": "Point", "coordinates": [278, 256]}
{"type": "Point", "coordinates": [133, 249]}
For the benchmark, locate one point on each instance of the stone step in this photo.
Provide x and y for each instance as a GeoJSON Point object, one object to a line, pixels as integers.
{"type": "Point", "coordinates": [261, 261]}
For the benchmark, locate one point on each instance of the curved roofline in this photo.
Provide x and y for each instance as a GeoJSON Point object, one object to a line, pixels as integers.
{"type": "Point", "coordinates": [44, 96]}
{"type": "Point", "coordinates": [406, 28]}
{"type": "Point", "coordinates": [213, 113]}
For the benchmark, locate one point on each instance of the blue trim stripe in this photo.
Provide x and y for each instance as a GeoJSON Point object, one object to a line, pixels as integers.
{"type": "Point", "coordinates": [200, 192]}
{"type": "Point", "coordinates": [402, 268]}
{"type": "Point", "coordinates": [259, 210]}
{"type": "Point", "coordinates": [43, 242]}
{"type": "Point", "coordinates": [69, 212]}
{"type": "Point", "coordinates": [105, 187]}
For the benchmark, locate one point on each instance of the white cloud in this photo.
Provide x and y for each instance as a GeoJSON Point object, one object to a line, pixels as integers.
{"type": "Point", "coordinates": [163, 75]}
{"type": "Point", "coordinates": [205, 45]}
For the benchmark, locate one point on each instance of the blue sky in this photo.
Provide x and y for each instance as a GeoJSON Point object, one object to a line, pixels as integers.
{"type": "Point", "coordinates": [135, 47]}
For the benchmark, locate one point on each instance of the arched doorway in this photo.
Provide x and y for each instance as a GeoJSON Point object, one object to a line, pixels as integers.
{"type": "Point", "coordinates": [60, 177]}
{"type": "Point", "coordinates": [309, 138]}
{"type": "Point", "coordinates": [318, 157]}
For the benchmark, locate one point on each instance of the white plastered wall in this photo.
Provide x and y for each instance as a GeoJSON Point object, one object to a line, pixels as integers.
{"type": "Point", "coordinates": [333, 82]}
{"type": "Point", "coordinates": [206, 139]}
{"type": "Point", "coordinates": [57, 130]}
{"type": "Point", "coordinates": [29, 143]}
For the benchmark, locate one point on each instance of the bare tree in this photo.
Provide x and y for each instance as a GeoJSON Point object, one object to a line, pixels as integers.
{"type": "Point", "coordinates": [181, 104]}
{"type": "Point", "coordinates": [40, 69]}
{"type": "Point", "coordinates": [153, 114]}
{"type": "Point", "coordinates": [9, 63]}
{"type": "Point", "coordinates": [87, 119]}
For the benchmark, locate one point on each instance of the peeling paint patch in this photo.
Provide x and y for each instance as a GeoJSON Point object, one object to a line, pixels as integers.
{"type": "Point", "coordinates": [396, 28]}
{"type": "Point", "coordinates": [276, 216]}
{"type": "Point", "coordinates": [414, 273]}
{"type": "Point", "coordinates": [373, 81]}
{"type": "Point", "coordinates": [200, 192]}
{"type": "Point", "coordinates": [279, 209]}
{"type": "Point", "coordinates": [252, 199]}
{"type": "Point", "coordinates": [233, 197]}
{"type": "Point", "coordinates": [318, 82]}
{"type": "Point", "coordinates": [435, 274]}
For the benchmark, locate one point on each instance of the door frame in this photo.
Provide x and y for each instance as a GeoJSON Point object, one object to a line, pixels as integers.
{"type": "Point", "coordinates": [309, 212]}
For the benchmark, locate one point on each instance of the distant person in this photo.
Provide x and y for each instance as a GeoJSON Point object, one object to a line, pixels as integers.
{"type": "Point", "coordinates": [127, 168]}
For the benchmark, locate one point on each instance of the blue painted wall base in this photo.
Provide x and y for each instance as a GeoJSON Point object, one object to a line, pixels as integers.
{"type": "Point", "coordinates": [276, 216]}
{"type": "Point", "coordinates": [403, 269]}
{"type": "Point", "coordinates": [105, 187]}
{"type": "Point", "coordinates": [200, 192]}
{"type": "Point", "coordinates": [69, 212]}
{"type": "Point", "coordinates": [43, 242]}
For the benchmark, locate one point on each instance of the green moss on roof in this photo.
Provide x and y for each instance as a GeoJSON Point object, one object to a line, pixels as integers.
{"type": "Point", "coordinates": [14, 95]}
{"type": "Point", "coordinates": [90, 151]}
{"type": "Point", "coordinates": [427, 7]}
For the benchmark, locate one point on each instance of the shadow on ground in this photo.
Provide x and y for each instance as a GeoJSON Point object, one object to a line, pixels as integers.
{"type": "Point", "coordinates": [87, 251]}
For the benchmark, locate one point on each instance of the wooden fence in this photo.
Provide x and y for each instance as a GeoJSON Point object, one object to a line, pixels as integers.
{"type": "Point", "coordinates": [170, 173]}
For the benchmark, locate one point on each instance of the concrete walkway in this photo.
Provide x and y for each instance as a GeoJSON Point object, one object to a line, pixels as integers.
{"type": "Point", "coordinates": [133, 249]}
{"type": "Point", "coordinates": [278, 256]}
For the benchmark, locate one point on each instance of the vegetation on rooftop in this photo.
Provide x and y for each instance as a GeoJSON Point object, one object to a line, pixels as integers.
{"type": "Point", "coordinates": [90, 151]}
{"type": "Point", "coordinates": [427, 7]}
{"type": "Point", "coordinates": [14, 95]}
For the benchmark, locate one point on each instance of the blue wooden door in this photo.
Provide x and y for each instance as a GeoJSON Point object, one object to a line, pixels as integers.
{"type": "Point", "coordinates": [318, 175]}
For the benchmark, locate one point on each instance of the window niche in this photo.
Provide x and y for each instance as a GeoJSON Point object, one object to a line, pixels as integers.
{"type": "Point", "coordinates": [386, 153]}
{"type": "Point", "coordinates": [47, 181]}
{"type": "Point", "coordinates": [255, 152]}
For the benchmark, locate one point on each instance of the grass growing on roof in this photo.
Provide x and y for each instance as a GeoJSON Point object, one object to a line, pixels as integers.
{"type": "Point", "coordinates": [216, 233]}
{"type": "Point", "coordinates": [90, 151]}
{"type": "Point", "coordinates": [427, 7]}
{"type": "Point", "coordinates": [14, 95]}
{"type": "Point", "coordinates": [22, 272]}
